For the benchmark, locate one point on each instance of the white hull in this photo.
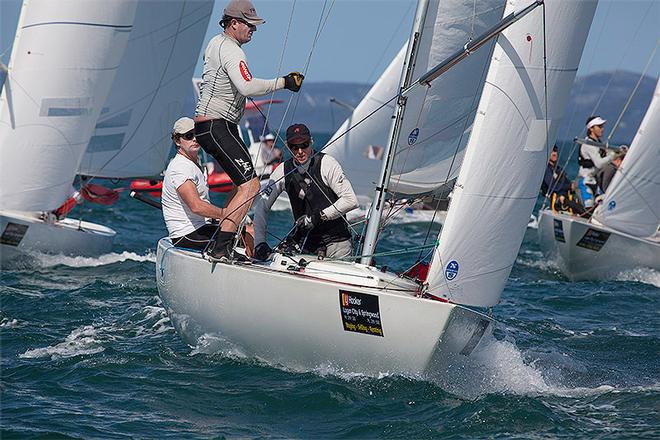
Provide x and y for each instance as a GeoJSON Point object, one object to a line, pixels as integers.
{"type": "Point", "coordinates": [24, 233]}
{"type": "Point", "coordinates": [601, 254]}
{"type": "Point", "coordinates": [296, 319]}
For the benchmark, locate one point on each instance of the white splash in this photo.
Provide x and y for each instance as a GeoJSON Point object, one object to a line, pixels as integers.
{"type": "Point", "coordinates": [81, 341]}
{"type": "Point", "coordinates": [537, 260]}
{"type": "Point", "coordinates": [642, 275]}
{"type": "Point", "coordinates": [111, 258]}
{"type": "Point", "coordinates": [8, 323]}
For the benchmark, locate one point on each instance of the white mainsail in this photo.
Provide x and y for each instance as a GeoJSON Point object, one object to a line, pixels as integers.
{"type": "Point", "coordinates": [437, 119]}
{"type": "Point", "coordinates": [360, 150]}
{"type": "Point", "coordinates": [507, 151]}
{"type": "Point", "coordinates": [632, 201]}
{"type": "Point", "coordinates": [64, 59]}
{"type": "Point", "coordinates": [131, 138]}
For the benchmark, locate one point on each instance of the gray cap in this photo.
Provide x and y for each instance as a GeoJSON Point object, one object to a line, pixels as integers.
{"type": "Point", "coordinates": [183, 125]}
{"type": "Point", "coordinates": [243, 9]}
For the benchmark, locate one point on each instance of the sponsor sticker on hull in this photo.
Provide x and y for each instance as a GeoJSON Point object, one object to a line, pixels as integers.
{"type": "Point", "coordinates": [593, 239]}
{"type": "Point", "coordinates": [559, 230]}
{"type": "Point", "coordinates": [360, 313]}
{"type": "Point", "coordinates": [13, 234]}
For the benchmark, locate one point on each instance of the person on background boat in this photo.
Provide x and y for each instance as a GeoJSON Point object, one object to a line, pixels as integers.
{"type": "Point", "coordinates": [320, 196]}
{"type": "Point", "coordinates": [557, 188]}
{"type": "Point", "coordinates": [265, 155]}
{"type": "Point", "coordinates": [226, 82]}
{"type": "Point", "coordinates": [185, 195]}
{"type": "Point", "coordinates": [591, 160]}
{"type": "Point", "coordinates": [606, 175]}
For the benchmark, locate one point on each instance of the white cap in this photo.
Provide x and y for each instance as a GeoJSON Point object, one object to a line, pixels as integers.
{"type": "Point", "coordinates": [595, 121]}
{"type": "Point", "coordinates": [269, 137]}
{"type": "Point", "coordinates": [183, 125]}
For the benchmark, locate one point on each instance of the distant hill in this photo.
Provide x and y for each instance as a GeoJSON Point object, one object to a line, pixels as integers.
{"type": "Point", "coordinates": [314, 107]}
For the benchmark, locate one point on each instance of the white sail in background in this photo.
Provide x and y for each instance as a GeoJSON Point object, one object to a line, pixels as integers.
{"type": "Point", "coordinates": [132, 134]}
{"type": "Point", "coordinates": [507, 151]}
{"type": "Point", "coordinates": [437, 119]}
{"type": "Point", "coordinates": [64, 59]}
{"type": "Point", "coordinates": [632, 201]}
{"type": "Point", "coordinates": [360, 150]}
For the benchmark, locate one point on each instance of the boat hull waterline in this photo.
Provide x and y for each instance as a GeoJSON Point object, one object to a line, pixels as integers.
{"type": "Point", "coordinates": [25, 233]}
{"type": "Point", "coordinates": [587, 251]}
{"type": "Point", "coordinates": [330, 314]}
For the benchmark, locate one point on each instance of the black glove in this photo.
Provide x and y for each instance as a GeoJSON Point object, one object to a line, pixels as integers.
{"type": "Point", "coordinates": [262, 251]}
{"type": "Point", "coordinates": [309, 222]}
{"type": "Point", "coordinates": [293, 81]}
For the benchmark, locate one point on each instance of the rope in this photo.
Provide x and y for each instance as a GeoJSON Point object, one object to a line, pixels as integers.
{"type": "Point", "coordinates": [639, 81]}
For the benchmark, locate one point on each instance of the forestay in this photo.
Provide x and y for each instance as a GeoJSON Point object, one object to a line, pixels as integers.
{"type": "Point", "coordinates": [507, 151]}
{"type": "Point", "coordinates": [438, 118]}
{"type": "Point", "coordinates": [360, 149]}
{"type": "Point", "coordinates": [632, 201]}
{"type": "Point", "coordinates": [132, 136]}
{"type": "Point", "coordinates": [64, 59]}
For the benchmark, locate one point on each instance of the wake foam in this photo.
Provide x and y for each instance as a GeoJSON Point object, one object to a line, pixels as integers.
{"type": "Point", "coordinates": [642, 275]}
{"type": "Point", "coordinates": [81, 341]}
{"type": "Point", "coordinates": [537, 260]}
{"type": "Point", "coordinates": [54, 260]}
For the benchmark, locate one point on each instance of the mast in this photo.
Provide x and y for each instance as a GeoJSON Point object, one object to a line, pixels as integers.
{"type": "Point", "coordinates": [406, 86]}
{"type": "Point", "coordinates": [375, 212]}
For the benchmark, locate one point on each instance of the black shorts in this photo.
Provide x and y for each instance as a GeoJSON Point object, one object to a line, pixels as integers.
{"type": "Point", "coordinates": [197, 239]}
{"type": "Point", "coordinates": [220, 139]}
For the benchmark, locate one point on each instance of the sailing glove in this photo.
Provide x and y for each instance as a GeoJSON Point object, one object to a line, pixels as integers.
{"type": "Point", "coordinates": [309, 222]}
{"type": "Point", "coordinates": [293, 81]}
{"type": "Point", "coordinates": [262, 251]}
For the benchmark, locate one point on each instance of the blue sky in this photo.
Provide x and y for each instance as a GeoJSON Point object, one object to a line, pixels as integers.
{"type": "Point", "coordinates": [360, 37]}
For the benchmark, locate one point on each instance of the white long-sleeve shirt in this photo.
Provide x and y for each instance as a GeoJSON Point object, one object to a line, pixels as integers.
{"type": "Point", "coordinates": [226, 81]}
{"type": "Point", "coordinates": [592, 152]}
{"type": "Point", "coordinates": [332, 175]}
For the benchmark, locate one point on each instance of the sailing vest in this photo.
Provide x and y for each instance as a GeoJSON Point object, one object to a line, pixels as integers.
{"type": "Point", "coordinates": [585, 162]}
{"type": "Point", "coordinates": [309, 195]}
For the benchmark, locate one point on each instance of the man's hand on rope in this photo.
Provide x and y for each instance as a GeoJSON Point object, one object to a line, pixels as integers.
{"type": "Point", "coordinates": [293, 81]}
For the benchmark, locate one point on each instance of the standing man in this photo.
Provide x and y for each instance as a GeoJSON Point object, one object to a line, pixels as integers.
{"type": "Point", "coordinates": [592, 159]}
{"type": "Point", "coordinates": [320, 197]}
{"type": "Point", "coordinates": [185, 195]}
{"type": "Point", "coordinates": [226, 82]}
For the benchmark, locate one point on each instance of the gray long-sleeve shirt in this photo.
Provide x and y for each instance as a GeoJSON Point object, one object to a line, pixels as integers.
{"type": "Point", "coordinates": [332, 175]}
{"type": "Point", "coordinates": [226, 81]}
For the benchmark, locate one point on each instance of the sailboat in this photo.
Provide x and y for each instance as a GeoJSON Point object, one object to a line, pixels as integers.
{"type": "Point", "coordinates": [64, 59]}
{"type": "Point", "coordinates": [302, 312]}
{"type": "Point", "coordinates": [623, 232]}
{"type": "Point", "coordinates": [128, 133]}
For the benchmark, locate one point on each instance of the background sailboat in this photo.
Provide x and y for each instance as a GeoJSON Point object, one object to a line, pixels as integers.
{"type": "Point", "coordinates": [358, 317]}
{"type": "Point", "coordinates": [64, 59]}
{"type": "Point", "coordinates": [623, 232]}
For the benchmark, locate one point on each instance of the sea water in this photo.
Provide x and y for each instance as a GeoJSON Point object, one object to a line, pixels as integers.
{"type": "Point", "coordinates": [88, 351]}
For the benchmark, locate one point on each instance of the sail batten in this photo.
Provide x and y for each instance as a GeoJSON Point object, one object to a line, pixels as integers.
{"type": "Point", "coordinates": [632, 201]}
{"type": "Point", "coordinates": [513, 132]}
{"type": "Point", "coordinates": [131, 136]}
{"type": "Point", "coordinates": [64, 59]}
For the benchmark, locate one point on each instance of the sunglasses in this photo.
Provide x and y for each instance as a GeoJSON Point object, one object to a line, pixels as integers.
{"type": "Point", "coordinates": [299, 146]}
{"type": "Point", "coordinates": [251, 26]}
{"type": "Point", "coordinates": [189, 136]}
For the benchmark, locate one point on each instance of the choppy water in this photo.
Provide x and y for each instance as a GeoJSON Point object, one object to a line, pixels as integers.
{"type": "Point", "coordinates": [89, 352]}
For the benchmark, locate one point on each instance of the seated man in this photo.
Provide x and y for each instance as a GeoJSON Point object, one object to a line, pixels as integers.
{"type": "Point", "coordinates": [185, 195]}
{"type": "Point", "coordinates": [557, 187]}
{"type": "Point", "coordinates": [265, 155]}
{"type": "Point", "coordinates": [320, 196]}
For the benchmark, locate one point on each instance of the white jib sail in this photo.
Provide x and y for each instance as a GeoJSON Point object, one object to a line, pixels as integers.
{"type": "Point", "coordinates": [64, 59]}
{"type": "Point", "coordinates": [507, 151]}
{"type": "Point", "coordinates": [132, 136]}
{"type": "Point", "coordinates": [360, 150]}
{"type": "Point", "coordinates": [632, 201]}
{"type": "Point", "coordinates": [437, 120]}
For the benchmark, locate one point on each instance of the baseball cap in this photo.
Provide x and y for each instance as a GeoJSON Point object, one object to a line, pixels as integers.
{"type": "Point", "coordinates": [297, 134]}
{"type": "Point", "coordinates": [243, 9]}
{"type": "Point", "coordinates": [183, 125]}
{"type": "Point", "coordinates": [269, 137]}
{"type": "Point", "coordinates": [595, 120]}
